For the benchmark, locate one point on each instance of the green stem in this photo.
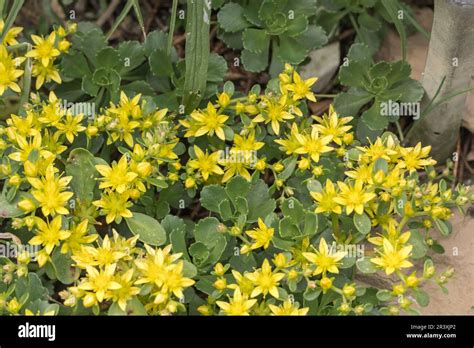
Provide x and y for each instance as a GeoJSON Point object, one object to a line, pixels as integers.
{"type": "Point", "coordinates": [172, 26]}
{"type": "Point", "coordinates": [335, 226]}
{"type": "Point", "coordinates": [400, 131]}
{"type": "Point", "coordinates": [26, 84]}
{"type": "Point", "coordinates": [17, 4]}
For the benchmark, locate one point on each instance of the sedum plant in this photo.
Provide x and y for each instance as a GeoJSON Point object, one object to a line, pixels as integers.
{"type": "Point", "coordinates": [270, 32]}
{"type": "Point", "coordinates": [245, 205]}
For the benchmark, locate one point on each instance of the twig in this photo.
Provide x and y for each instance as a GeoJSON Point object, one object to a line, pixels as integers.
{"type": "Point", "coordinates": [107, 13]}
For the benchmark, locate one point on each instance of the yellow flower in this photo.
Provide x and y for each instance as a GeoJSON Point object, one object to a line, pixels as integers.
{"type": "Point", "coordinates": [10, 37]}
{"type": "Point", "coordinates": [209, 122]}
{"type": "Point", "coordinates": [378, 150]}
{"type": "Point", "coordinates": [100, 283]}
{"type": "Point", "coordinates": [118, 177]}
{"type": "Point", "coordinates": [126, 291]}
{"type": "Point", "coordinates": [235, 167]}
{"type": "Point", "coordinates": [265, 281]}
{"type": "Point", "coordinates": [363, 172]}
{"type": "Point", "coordinates": [44, 49]}
{"type": "Point", "coordinates": [22, 126]}
{"type": "Point", "coordinates": [248, 143]}
{"type": "Point", "coordinates": [71, 126]}
{"type": "Point", "coordinates": [49, 234]}
{"type": "Point", "coordinates": [237, 305]}
{"type": "Point", "coordinates": [332, 125]}
{"type": "Point", "coordinates": [325, 199]}
{"type": "Point", "coordinates": [301, 88]}
{"type": "Point", "coordinates": [288, 308]}
{"type": "Point", "coordinates": [353, 197]}
{"type": "Point", "coordinates": [127, 106]}
{"type": "Point", "coordinates": [45, 74]}
{"type": "Point", "coordinates": [26, 147]}
{"type": "Point", "coordinates": [324, 260]}
{"type": "Point", "coordinates": [153, 266]}
{"type": "Point", "coordinates": [115, 206]}
{"type": "Point", "coordinates": [391, 259]}
{"type": "Point", "coordinates": [413, 158]}
{"type": "Point", "coordinates": [261, 235]}
{"type": "Point", "coordinates": [205, 163]}
{"type": "Point", "coordinates": [48, 192]}
{"type": "Point", "coordinates": [291, 143]}
{"type": "Point", "coordinates": [8, 72]}
{"type": "Point", "coordinates": [313, 145]}
{"type": "Point", "coordinates": [78, 237]}
{"type": "Point", "coordinates": [174, 281]}
{"type": "Point", "coordinates": [274, 112]}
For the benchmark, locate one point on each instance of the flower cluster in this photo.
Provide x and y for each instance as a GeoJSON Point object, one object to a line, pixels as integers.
{"type": "Point", "coordinates": [283, 187]}
{"type": "Point", "coordinates": [44, 52]}
{"type": "Point", "coordinates": [116, 270]}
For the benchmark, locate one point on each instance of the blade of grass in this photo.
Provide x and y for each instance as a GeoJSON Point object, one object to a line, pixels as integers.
{"type": "Point", "coordinates": [17, 4]}
{"type": "Point", "coordinates": [171, 29]}
{"type": "Point", "coordinates": [3, 7]}
{"type": "Point", "coordinates": [391, 8]}
{"type": "Point", "coordinates": [196, 52]}
{"type": "Point", "coordinates": [128, 6]}
{"type": "Point", "coordinates": [415, 23]}
{"type": "Point", "coordinates": [25, 93]}
{"type": "Point", "coordinates": [138, 14]}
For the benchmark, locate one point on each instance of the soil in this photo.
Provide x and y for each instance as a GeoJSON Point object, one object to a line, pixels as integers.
{"type": "Point", "coordinates": [459, 253]}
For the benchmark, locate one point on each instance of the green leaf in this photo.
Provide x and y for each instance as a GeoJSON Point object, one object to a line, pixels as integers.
{"type": "Point", "coordinates": [384, 295]}
{"type": "Point", "coordinates": [419, 245]}
{"type": "Point", "coordinates": [421, 297]}
{"type": "Point", "coordinates": [74, 65]}
{"type": "Point", "coordinates": [134, 307]}
{"type": "Point", "coordinates": [147, 228]}
{"type": "Point", "coordinates": [293, 209]}
{"type": "Point", "coordinates": [156, 40]}
{"type": "Point", "coordinates": [212, 196]}
{"type": "Point", "coordinates": [287, 228]}
{"type": "Point", "coordinates": [207, 232]}
{"type": "Point", "coordinates": [362, 223]}
{"type": "Point", "coordinates": [291, 50]}
{"type": "Point", "coordinates": [81, 166]}
{"type": "Point", "coordinates": [231, 17]}
{"type": "Point", "coordinates": [310, 223]}
{"type": "Point", "coordinates": [255, 40]}
{"type": "Point", "coordinates": [312, 38]}
{"type": "Point", "coordinates": [200, 253]}
{"type": "Point", "coordinates": [237, 187]}
{"type": "Point", "coordinates": [160, 63]}
{"type": "Point", "coordinates": [259, 201]}
{"type": "Point", "coordinates": [31, 285]}
{"type": "Point", "coordinates": [178, 242]}
{"type": "Point", "coordinates": [10, 209]}
{"type": "Point", "coordinates": [296, 26]}
{"type": "Point", "coordinates": [132, 55]}
{"type": "Point", "coordinates": [349, 103]}
{"type": "Point", "coordinates": [290, 165]}
{"type": "Point", "coordinates": [444, 227]}
{"type": "Point", "coordinates": [217, 68]}
{"type": "Point", "coordinates": [373, 119]}
{"type": "Point", "coordinates": [311, 294]}
{"type": "Point", "coordinates": [225, 210]}
{"type": "Point", "coordinates": [255, 62]}
{"type": "Point", "coordinates": [108, 58]}
{"type": "Point", "coordinates": [365, 265]}
{"type": "Point", "coordinates": [66, 273]}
